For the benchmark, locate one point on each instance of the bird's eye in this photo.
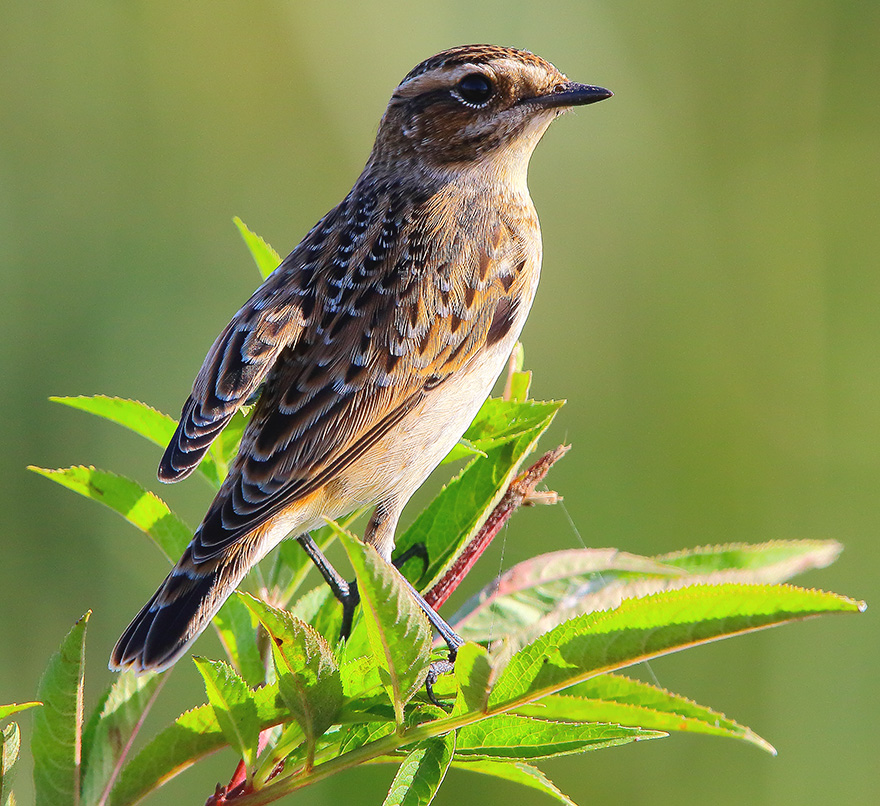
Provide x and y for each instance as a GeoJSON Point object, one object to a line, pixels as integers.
{"type": "Point", "coordinates": [475, 89]}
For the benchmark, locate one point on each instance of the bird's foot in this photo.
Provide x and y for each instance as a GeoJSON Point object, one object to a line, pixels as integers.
{"type": "Point", "coordinates": [417, 550]}
{"type": "Point", "coordinates": [437, 668]}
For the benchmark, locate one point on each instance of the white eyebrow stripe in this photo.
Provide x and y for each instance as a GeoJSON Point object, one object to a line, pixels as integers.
{"type": "Point", "coordinates": [445, 77]}
{"type": "Point", "coordinates": [440, 78]}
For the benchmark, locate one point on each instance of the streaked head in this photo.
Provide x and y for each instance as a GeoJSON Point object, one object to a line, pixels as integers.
{"type": "Point", "coordinates": [473, 101]}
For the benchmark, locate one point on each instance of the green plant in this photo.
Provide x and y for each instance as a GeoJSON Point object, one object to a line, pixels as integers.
{"type": "Point", "coordinates": [298, 706]}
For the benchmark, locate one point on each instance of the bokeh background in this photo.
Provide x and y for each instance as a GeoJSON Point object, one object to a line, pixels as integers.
{"type": "Point", "coordinates": [710, 307]}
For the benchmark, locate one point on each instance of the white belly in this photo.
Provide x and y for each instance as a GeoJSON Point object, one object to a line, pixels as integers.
{"type": "Point", "coordinates": [405, 458]}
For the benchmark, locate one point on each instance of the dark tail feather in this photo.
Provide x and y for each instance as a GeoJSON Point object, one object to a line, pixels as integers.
{"type": "Point", "coordinates": [176, 615]}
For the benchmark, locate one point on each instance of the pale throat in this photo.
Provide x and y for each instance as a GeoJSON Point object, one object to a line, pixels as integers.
{"type": "Point", "coordinates": [507, 165]}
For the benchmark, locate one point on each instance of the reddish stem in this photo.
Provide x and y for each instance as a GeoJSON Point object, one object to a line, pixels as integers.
{"type": "Point", "coordinates": [238, 785]}
{"type": "Point", "coordinates": [517, 493]}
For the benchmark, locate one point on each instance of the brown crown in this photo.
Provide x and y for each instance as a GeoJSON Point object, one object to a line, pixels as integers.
{"type": "Point", "coordinates": [474, 54]}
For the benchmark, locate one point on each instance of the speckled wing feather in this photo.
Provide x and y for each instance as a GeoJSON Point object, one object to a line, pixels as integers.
{"type": "Point", "coordinates": [393, 301]}
{"type": "Point", "coordinates": [235, 366]}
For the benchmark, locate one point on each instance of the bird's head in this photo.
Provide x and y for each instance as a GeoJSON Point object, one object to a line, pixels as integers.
{"type": "Point", "coordinates": [476, 103]}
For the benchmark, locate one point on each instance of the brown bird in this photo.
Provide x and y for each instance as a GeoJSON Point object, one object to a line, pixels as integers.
{"type": "Point", "coordinates": [376, 340]}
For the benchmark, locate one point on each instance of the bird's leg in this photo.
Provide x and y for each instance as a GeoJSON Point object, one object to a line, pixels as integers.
{"type": "Point", "coordinates": [341, 589]}
{"type": "Point", "coordinates": [453, 642]}
{"type": "Point", "coordinates": [350, 602]}
{"type": "Point", "coordinates": [452, 638]}
{"type": "Point", "coordinates": [380, 534]}
{"type": "Point", "coordinates": [345, 592]}
{"type": "Point", "coordinates": [348, 596]}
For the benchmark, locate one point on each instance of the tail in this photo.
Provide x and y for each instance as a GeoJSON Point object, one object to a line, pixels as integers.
{"type": "Point", "coordinates": [177, 614]}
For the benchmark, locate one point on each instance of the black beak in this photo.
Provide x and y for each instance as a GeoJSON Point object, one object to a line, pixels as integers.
{"type": "Point", "coordinates": [570, 94]}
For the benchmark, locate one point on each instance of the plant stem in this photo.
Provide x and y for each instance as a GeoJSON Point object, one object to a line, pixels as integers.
{"type": "Point", "coordinates": [381, 747]}
{"type": "Point", "coordinates": [518, 491]}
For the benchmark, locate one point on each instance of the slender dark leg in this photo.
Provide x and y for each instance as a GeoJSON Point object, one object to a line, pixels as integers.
{"type": "Point", "coordinates": [341, 588]}
{"type": "Point", "coordinates": [452, 638]}
{"type": "Point", "coordinates": [348, 596]}
{"type": "Point", "coordinates": [345, 592]}
{"type": "Point", "coordinates": [453, 641]}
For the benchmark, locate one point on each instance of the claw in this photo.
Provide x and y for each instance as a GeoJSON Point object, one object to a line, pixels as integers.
{"type": "Point", "coordinates": [419, 550]}
{"type": "Point", "coordinates": [437, 668]}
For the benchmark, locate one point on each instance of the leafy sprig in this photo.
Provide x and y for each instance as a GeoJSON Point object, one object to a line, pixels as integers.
{"type": "Point", "coordinates": [539, 676]}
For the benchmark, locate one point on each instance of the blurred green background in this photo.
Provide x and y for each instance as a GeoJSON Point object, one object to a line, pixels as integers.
{"type": "Point", "coordinates": [710, 307]}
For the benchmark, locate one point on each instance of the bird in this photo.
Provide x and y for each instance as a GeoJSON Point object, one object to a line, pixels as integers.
{"type": "Point", "coordinates": [374, 342]}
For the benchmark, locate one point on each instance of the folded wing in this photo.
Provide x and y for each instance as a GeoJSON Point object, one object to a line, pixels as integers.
{"type": "Point", "coordinates": [368, 357]}
{"type": "Point", "coordinates": [234, 368]}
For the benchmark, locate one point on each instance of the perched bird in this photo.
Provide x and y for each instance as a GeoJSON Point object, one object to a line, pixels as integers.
{"type": "Point", "coordinates": [375, 341]}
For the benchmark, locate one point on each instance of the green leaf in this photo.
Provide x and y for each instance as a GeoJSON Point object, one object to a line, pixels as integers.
{"type": "Point", "coordinates": [518, 386]}
{"type": "Point", "coordinates": [516, 771]}
{"type": "Point", "coordinates": [144, 420]}
{"type": "Point", "coordinates": [266, 258]}
{"type": "Point", "coordinates": [14, 708]}
{"type": "Point", "coordinates": [518, 382]}
{"type": "Point", "coordinates": [709, 565]}
{"type": "Point", "coordinates": [234, 707]}
{"type": "Point", "coordinates": [238, 634]}
{"type": "Point", "coordinates": [530, 590]}
{"type": "Point", "coordinates": [774, 561]}
{"type": "Point", "coordinates": [308, 677]}
{"type": "Point", "coordinates": [10, 744]}
{"type": "Point", "coordinates": [473, 672]}
{"type": "Point", "coordinates": [190, 737]}
{"type": "Point", "coordinates": [519, 737]}
{"type": "Point", "coordinates": [57, 739]}
{"type": "Point", "coordinates": [110, 731]}
{"type": "Point", "coordinates": [364, 733]}
{"type": "Point", "coordinates": [647, 627]}
{"type": "Point", "coordinates": [397, 628]}
{"type": "Point", "coordinates": [138, 506]}
{"type": "Point", "coordinates": [619, 699]}
{"type": "Point", "coordinates": [320, 609]}
{"type": "Point", "coordinates": [360, 678]}
{"type": "Point", "coordinates": [423, 770]}
{"type": "Point", "coordinates": [462, 506]}
{"type": "Point", "coordinates": [499, 421]}
{"type": "Point", "coordinates": [463, 449]}
{"type": "Point", "coordinates": [193, 735]}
